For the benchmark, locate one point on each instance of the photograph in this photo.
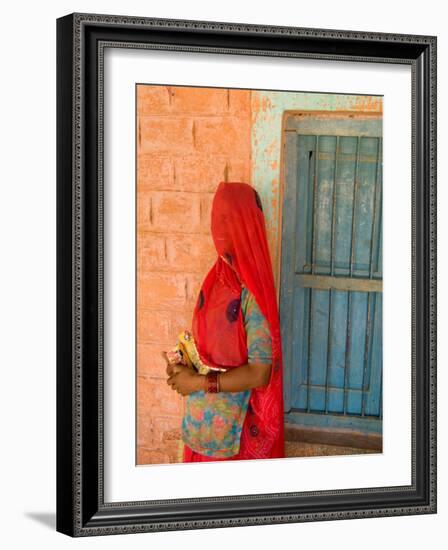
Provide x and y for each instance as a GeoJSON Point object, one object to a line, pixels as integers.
{"type": "Point", "coordinates": [223, 235]}
{"type": "Point", "coordinates": [258, 274]}
{"type": "Point", "coordinates": [230, 197]}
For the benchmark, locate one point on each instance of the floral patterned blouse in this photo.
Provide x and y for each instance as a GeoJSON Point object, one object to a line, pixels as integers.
{"type": "Point", "coordinates": [212, 422]}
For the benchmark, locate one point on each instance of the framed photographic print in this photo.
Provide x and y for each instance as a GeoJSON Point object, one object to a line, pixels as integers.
{"type": "Point", "coordinates": [246, 274]}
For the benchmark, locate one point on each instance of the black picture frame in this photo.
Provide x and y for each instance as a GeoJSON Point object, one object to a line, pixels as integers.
{"type": "Point", "coordinates": [81, 39]}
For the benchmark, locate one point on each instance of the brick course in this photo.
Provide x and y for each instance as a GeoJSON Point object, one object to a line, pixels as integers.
{"type": "Point", "coordinates": [188, 140]}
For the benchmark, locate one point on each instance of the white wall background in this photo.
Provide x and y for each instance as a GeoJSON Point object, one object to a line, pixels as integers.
{"type": "Point", "coordinates": [28, 269]}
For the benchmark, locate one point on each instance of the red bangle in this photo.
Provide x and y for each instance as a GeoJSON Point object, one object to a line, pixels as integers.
{"type": "Point", "coordinates": [212, 382]}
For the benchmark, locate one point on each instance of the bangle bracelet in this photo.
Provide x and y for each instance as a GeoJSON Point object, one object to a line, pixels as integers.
{"type": "Point", "coordinates": [212, 382]}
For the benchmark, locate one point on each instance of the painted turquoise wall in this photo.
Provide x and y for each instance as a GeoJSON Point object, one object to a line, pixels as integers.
{"type": "Point", "coordinates": [267, 112]}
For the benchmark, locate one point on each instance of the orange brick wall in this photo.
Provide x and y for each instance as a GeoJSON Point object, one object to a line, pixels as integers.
{"type": "Point", "coordinates": [188, 140]}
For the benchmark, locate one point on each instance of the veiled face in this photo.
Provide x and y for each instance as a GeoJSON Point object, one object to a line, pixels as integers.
{"type": "Point", "coordinates": [237, 225]}
{"type": "Point", "coordinates": [220, 224]}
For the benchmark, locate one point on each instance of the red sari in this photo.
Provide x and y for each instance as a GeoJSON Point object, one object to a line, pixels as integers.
{"type": "Point", "coordinates": [239, 233]}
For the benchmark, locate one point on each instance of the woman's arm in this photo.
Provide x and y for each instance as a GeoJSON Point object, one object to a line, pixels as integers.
{"type": "Point", "coordinates": [245, 377]}
{"type": "Point", "coordinates": [254, 374]}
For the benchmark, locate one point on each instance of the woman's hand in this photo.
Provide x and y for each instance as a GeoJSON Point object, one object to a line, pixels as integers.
{"type": "Point", "coordinates": [185, 380]}
{"type": "Point", "coordinates": [171, 368]}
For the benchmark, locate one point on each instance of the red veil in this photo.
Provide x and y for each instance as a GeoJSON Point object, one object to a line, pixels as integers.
{"type": "Point", "coordinates": [239, 233]}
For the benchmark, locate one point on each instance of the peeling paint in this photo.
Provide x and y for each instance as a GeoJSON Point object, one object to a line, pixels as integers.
{"type": "Point", "coordinates": [266, 139]}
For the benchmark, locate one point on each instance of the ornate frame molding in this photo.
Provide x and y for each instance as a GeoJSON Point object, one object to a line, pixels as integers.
{"type": "Point", "coordinates": [82, 38]}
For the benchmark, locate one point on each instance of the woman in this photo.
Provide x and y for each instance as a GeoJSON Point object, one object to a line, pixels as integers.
{"type": "Point", "coordinates": [235, 412]}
